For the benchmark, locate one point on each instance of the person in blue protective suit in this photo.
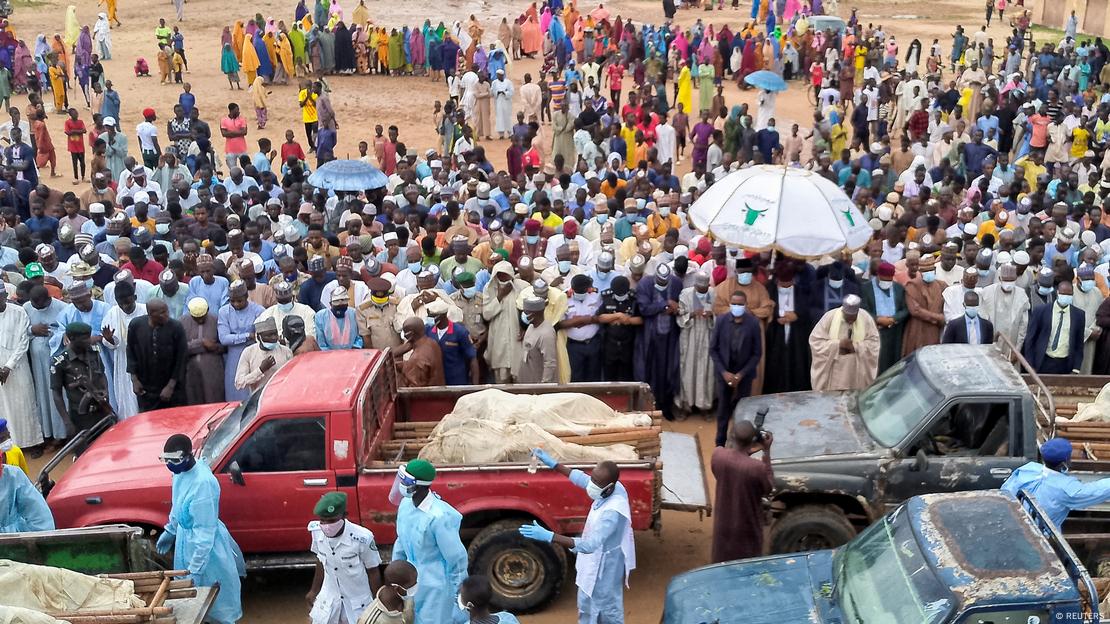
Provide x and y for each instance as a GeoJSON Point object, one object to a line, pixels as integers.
{"type": "Point", "coordinates": [606, 552]}
{"type": "Point", "coordinates": [22, 508]}
{"type": "Point", "coordinates": [474, 598]}
{"type": "Point", "coordinates": [201, 543]}
{"type": "Point", "coordinates": [428, 538]}
{"type": "Point", "coordinates": [1049, 484]}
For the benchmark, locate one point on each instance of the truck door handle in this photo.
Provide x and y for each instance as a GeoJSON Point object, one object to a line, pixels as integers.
{"type": "Point", "coordinates": [1000, 472]}
{"type": "Point", "coordinates": [315, 482]}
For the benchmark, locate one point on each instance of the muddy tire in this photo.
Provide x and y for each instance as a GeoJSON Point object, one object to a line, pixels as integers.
{"type": "Point", "coordinates": [525, 575]}
{"type": "Point", "coordinates": [810, 527]}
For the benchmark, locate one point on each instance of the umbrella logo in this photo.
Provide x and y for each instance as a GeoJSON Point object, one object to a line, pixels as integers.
{"type": "Point", "coordinates": [848, 215]}
{"type": "Point", "coordinates": [751, 214]}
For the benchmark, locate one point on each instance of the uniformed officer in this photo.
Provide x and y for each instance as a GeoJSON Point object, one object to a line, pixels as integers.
{"type": "Point", "coordinates": [581, 327]}
{"type": "Point", "coordinates": [469, 299]}
{"type": "Point", "coordinates": [375, 316]}
{"type": "Point", "coordinates": [619, 314]}
{"type": "Point", "coordinates": [347, 564]}
{"type": "Point", "coordinates": [79, 371]}
{"type": "Point", "coordinates": [460, 358]}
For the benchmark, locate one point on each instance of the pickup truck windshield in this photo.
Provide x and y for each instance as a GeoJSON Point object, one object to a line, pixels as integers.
{"type": "Point", "coordinates": [226, 432]}
{"type": "Point", "coordinates": [898, 400]}
{"type": "Point", "coordinates": [882, 576]}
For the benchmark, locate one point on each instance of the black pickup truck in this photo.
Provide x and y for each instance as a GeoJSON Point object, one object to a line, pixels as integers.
{"type": "Point", "coordinates": [947, 418]}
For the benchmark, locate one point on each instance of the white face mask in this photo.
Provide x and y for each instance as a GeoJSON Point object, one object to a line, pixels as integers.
{"type": "Point", "coordinates": [593, 490]}
{"type": "Point", "coordinates": [465, 606]}
{"type": "Point", "coordinates": [332, 529]}
{"type": "Point", "coordinates": [1006, 286]}
{"type": "Point", "coordinates": [407, 594]}
{"type": "Point", "coordinates": [6, 445]}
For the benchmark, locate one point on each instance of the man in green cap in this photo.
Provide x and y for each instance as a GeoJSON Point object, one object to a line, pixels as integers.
{"type": "Point", "coordinates": [347, 564]}
{"type": "Point", "coordinates": [78, 371]}
{"type": "Point", "coordinates": [428, 537]}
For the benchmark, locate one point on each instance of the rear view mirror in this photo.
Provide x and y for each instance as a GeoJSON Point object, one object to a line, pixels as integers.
{"type": "Point", "coordinates": [920, 462]}
{"type": "Point", "coordinates": [236, 473]}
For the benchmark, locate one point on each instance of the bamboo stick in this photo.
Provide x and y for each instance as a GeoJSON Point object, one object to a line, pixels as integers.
{"type": "Point", "coordinates": [181, 593]}
{"type": "Point", "coordinates": [160, 596]}
{"type": "Point", "coordinates": [140, 611]}
{"type": "Point", "coordinates": [610, 438]}
{"type": "Point", "coordinates": [151, 588]}
{"type": "Point", "coordinates": [158, 574]}
{"type": "Point", "coordinates": [104, 619]}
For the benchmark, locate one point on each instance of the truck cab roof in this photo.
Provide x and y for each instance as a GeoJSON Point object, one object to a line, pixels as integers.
{"type": "Point", "coordinates": [1014, 565]}
{"type": "Point", "coordinates": [960, 368]}
{"type": "Point", "coordinates": [336, 377]}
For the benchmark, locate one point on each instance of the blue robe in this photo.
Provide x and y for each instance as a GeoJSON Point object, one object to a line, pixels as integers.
{"type": "Point", "coordinates": [41, 357]}
{"type": "Point", "coordinates": [202, 544]}
{"type": "Point", "coordinates": [1055, 492]}
{"type": "Point", "coordinates": [657, 351]}
{"type": "Point", "coordinates": [323, 320]}
{"type": "Point", "coordinates": [428, 538]}
{"type": "Point", "coordinates": [22, 508]}
{"type": "Point", "coordinates": [265, 67]}
{"type": "Point", "coordinates": [235, 327]}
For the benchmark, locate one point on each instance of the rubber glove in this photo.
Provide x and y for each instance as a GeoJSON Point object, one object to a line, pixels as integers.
{"type": "Point", "coordinates": [165, 542]}
{"type": "Point", "coordinates": [536, 532]}
{"type": "Point", "coordinates": [546, 459]}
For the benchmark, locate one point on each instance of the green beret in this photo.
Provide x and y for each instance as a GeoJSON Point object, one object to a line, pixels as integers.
{"type": "Point", "coordinates": [77, 328]}
{"type": "Point", "coordinates": [421, 470]}
{"type": "Point", "coordinates": [466, 277]}
{"type": "Point", "coordinates": [331, 505]}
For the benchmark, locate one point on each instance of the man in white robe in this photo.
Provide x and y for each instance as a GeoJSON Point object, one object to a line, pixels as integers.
{"type": "Point", "coordinates": [17, 391]}
{"type": "Point", "coordinates": [114, 332]}
{"type": "Point", "coordinates": [845, 348]}
{"type": "Point", "coordinates": [697, 385]}
{"type": "Point", "coordinates": [502, 89]}
{"type": "Point", "coordinates": [1006, 306]}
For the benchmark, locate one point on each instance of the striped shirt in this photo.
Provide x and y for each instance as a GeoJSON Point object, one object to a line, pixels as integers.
{"type": "Point", "coordinates": [558, 91]}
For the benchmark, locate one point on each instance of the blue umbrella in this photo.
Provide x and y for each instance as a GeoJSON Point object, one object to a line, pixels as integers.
{"type": "Point", "coordinates": [348, 175]}
{"type": "Point", "coordinates": [766, 80]}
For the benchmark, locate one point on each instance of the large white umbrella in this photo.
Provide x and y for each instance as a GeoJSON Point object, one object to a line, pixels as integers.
{"type": "Point", "coordinates": [793, 210]}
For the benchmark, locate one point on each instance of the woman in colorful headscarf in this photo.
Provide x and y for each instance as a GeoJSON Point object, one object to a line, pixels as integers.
{"type": "Point", "coordinates": [533, 37]}
{"type": "Point", "coordinates": [344, 50]}
{"type": "Point", "coordinates": [320, 12]}
{"type": "Point", "coordinates": [327, 51]}
{"type": "Point", "coordinates": [299, 49]}
{"type": "Point", "coordinates": [82, 59]}
{"type": "Point", "coordinates": [419, 53]}
{"type": "Point", "coordinates": [22, 65]}
{"type": "Point", "coordinates": [360, 40]}
{"type": "Point", "coordinates": [265, 65]}
{"type": "Point", "coordinates": [249, 59]}
{"type": "Point", "coordinates": [706, 88]}
{"type": "Point", "coordinates": [685, 95]}
{"type": "Point", "coordinates": [406, 49]}
{"type": "Point", "coordinates": [284, 68]}
{"type": "Point", "coordinates": [395, 52]}
{"type": "Point", "coordinates": [382, 52]}
{"type": "Point", "coordinates": [61, 52]}
{"type": "Point", "coordinates": [57, 73]}
{"type": "Point", "coordinates": [258, 98]}
{"type": "Point", "coordinates": [435, 62]}
{"type": "Point", "coordinates": [238, 36]}
{"type": "Point", "coordinates": [300, 11]}
{"type": "Point", "coordinates": [111, 8]}
{"type": "Point", "coordinates": [229, 65]}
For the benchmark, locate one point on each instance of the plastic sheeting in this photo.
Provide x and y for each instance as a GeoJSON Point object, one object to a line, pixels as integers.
{"type": "Point", "coordinates": [493, 426]}
{"type": "Point", "coordinates": [1098, 411]}
{"type": "Point", "coordinates": [43, 588]}
{"type": "Point", "coordinates": [19, 615]}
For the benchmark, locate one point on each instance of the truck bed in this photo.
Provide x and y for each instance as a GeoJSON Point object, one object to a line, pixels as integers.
{"type": "Point", "coordinates": [1091, 439]}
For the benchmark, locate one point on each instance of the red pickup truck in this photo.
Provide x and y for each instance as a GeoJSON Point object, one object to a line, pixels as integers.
{"type": "Point", "coordinates": [325, 421]}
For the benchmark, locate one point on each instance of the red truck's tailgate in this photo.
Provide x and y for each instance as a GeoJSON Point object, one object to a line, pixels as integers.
{"type": "Point", "coordinates": [482, 493]}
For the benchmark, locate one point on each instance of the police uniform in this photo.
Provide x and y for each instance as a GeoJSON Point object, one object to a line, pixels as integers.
{"type": "Point", "coordinates": [584, 342]}
{"type": "Point", "coordinates": [377, 323]}
{"type": "Point", "coordinates": [472, 313]}
{"type": "Point", "coordinates": [69, 368]}
{"type": "Point", "coordinates": [345, 591]}
{"type": "Point", "coordinates": [617, 341]}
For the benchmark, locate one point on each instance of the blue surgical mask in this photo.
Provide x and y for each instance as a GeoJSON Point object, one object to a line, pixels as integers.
{"type": "Point", "coordinates": [578, 296]}
{"type": "Point", "coordinates": [524, 318]}
{"type": "Point", "coordinates": [929, 277]}
{"type": "Point", "coordinates": [1044, 291]}
{"type": "Point", "coordinates": [1063, 300]}
{"type": "Point", "coordinates": [971, 311]}
{"type": "Point", "coordinates": [267, 346]}
{"type": "Point", "coordinates": [664, 211]}
{"type": "Point", "coordinates": [532, 238]}
{"type": "Point", "coordinates": [737, 310]}
{"type": "Point", "coordinates": [1086, 285]}
{"type": "Point", "coordinates": [414, 267]}
{"type": "Point", "coordinates": [564, 266]}
{"type": "Point", "coordinates": [469, 292]}
{"type": "Point", "coordinates": [111, 238]}
{"type": "Point", "coordinates": [744, 278]}
{"type": "Point", "coordinates": [603, 217]}
{"type": "Point", "coordinates": [285, 307]}
{"type": "Point", "coordinates": [428, 322]}
{"type": "Point", "coordinates": [183, 466]}
{"type": "Point", "coordinates": [836, 283]}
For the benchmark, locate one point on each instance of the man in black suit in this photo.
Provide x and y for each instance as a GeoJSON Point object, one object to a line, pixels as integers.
{"type": "Point", "coordinates": [1054, 340]}
{"type": "Point", "coordinates": [969, 328]}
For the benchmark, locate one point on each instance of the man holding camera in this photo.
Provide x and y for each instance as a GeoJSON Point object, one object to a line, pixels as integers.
{"type": "Point", "coordinates": [742, 482]}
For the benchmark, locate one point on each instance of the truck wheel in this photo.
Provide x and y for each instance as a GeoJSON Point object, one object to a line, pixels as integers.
{"type": "Point", "coordinates": [525, 575]}
{"type": "Point", "coordinates": [811, 527]}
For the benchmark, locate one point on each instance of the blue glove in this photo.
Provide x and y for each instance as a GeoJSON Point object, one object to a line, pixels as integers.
{"type": "Point", "coordinates": [165, 542]}
{"type": "Point", "coordinates": [536, 532]}
{"type": "Point", "coordinates": [546, 459]}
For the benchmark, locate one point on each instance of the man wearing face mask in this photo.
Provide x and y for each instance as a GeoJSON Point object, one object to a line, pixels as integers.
{"type": "Point", "coordinates": [347, 563]}
{"type": "Point", "coordinates": [1054, 490]}
{"type": "Point", "coordinates": [376, 315]}
{"type": "Point", "coordinates": [591, 230]}
{"type": "Point", "coordinates": [954, 294]}
{"type": "Point", "coordinates": [424, 366]}
{"type": "Point", "coordinates": [619, 313]}
{"type": "Point", "coordinates": [695, 321]}
{"type": "Point", "coordinates": [337, 325]}
{"type": "Point", "coordinates": [735, 349]}
{"type": "Point", "coordinates": [885, 300]}
{"type": "Point", "coordinates": [1006, 305]}
{"type": "Point", "coordinates": [201, 543]}
{"type": "Point", "coordinates": [1043, 291]}
{"type": "Point", "coordinates": [394, 600]}
{"type": "Point", "coordinates": [1054, 342]}
{"type": "Point", "coordinates": [604, 273]}
{"type": "Point", "coordinates": [580, 323]}
{"type": "Point", "coordinates": [499, 311]}
{"type": "Point", "coordinates": [606, 553]}
{"type": "Point", "coordinates": [261, 360]}
{"type": "Point", "coordinates": [539, 348]}
{"type": "Point", "coordinates": [460, 358]}
{"type": "Point", "coordinates": [428, 538]}
{"type": "Point", "coordinates": [468, 298]}
{"type": "Point", "coordinates": [971, 328]}
{"type": "Point", "coordinates": [1088, 298]}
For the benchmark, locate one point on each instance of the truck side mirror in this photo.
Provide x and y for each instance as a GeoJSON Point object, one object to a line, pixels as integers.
{"type": "Point", "coordinates": [920, 462]}
{"type": "Point", "coordinates": [236, 473]}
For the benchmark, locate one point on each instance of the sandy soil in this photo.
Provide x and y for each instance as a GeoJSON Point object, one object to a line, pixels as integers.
{"type": "Point", "coordinates": [407, 102]}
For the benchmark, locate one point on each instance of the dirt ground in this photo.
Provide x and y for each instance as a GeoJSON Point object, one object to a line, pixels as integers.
{"type": "Point", "coordinates": [407, 102]}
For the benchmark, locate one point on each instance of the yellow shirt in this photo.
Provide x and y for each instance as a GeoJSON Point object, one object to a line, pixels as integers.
{"type": "Point", "coordinates": [552, 221]}
{"type": "Point", "coordinates": [628, 133]}
{"type": "Point", "coordinates": [308, 111]}
{"type": "Point", "coordinates": [1080, 137]}
{"type": "Point", "coordinates": [15, 458]}
{"type": "Point", "coordinates": [1061, 323]}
